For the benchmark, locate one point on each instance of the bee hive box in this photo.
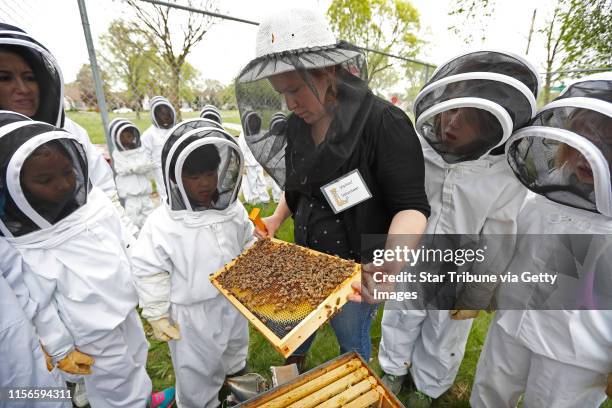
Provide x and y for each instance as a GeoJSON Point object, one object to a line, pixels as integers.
{"type": "Point", "coordinates": [286, 291]}
{"type": "Point", "coordinates": [346, 381]}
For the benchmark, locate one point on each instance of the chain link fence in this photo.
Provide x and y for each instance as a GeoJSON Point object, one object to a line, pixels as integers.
{"type": "Point", "coordinates": [144, 48]}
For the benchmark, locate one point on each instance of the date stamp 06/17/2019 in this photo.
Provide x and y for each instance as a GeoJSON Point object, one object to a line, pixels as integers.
{"type": "Point", "coordinates": [35, 394]}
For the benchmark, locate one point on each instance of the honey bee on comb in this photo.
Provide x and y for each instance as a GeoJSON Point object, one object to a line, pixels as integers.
{"type": "Point", "coordinates": [281, 283]}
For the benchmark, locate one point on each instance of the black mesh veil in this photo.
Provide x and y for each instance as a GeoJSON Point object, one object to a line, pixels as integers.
{"type": "Point", "coordinates": [598, 86]}
{"type": "Point", "coordinates": [43, 176]}
{"type": "Point", "coordinates": [566, 154]}
{"type": "Point", "coordinates": [474, 102]}
{"type": "Point", "coordinates": [120, 125]}
{"type": "Point", "coordinates": [201, 151]}
{"type": "Point", "coordinates": [46, 72]}
{"type": "Point", "coordinates": [276, 95]}
{"type": "Point", "coordinates": [177, 134]}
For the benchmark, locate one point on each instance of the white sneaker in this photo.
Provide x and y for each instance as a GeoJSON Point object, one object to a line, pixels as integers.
{"type": "Point", "coordinates": [79, 398]}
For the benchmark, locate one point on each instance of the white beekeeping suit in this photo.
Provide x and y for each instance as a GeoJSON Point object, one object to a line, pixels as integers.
{"type": "Point", "coordinates": [254, 188]}
{"type": "Point", "coordinates": [163, 117]}
{"type": "Point", "coordinates": [133, 167]}
{"type": "Point", "coordinates": [197, 232]}
{"type": "Point", "coordinates": [558, 358]}
{"type": "Point", "coordinates": [468, 108]}
{"type": "Point", "coordinates": [51, 94]}
{"type": "Point", "coordinates": [72, 242]}
{"type": "Point", "coordinates": [23, 361]}
{"type": "Point", "coordinates": [211, 112]}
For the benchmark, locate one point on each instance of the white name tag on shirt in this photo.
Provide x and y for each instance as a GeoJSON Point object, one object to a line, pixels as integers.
{"type": "Point", "coordinates": [346, 191]}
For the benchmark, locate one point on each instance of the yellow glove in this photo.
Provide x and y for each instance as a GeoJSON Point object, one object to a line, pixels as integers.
{"type": "Point", "coordinates": [609, 387]}
{"type": "Point", "coordinates": [464, 314]}
{"type": "Point", "coordinates": [48, 358]}
{"type": "Point", "coordinates": [164, 331]}
{"type": "Point", "coordinates": [76, 363]}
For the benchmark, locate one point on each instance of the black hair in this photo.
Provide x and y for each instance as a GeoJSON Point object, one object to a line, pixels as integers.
{"type": "Point", "coordinates": [203, 159]}
{"type": "Point", "coordinates": [46, 112]}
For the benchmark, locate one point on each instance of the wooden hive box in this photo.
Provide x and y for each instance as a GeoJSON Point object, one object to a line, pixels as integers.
{"type": "Point", "coordinates": [287, 343]}
{"type": "Point", "coordinates": [345, 381]}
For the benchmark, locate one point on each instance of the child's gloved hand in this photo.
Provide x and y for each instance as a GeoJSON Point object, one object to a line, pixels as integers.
{"type": "Point", "coordinates": [76, 363]}
{"type": "Point", "coordinates": [164, 331]}
{"type": "Point", "coordinates": [464, 314]}
{"type": "Point", "coordinates": [48, 358]}
{"type": "Point", "coordinates": [609, 387]}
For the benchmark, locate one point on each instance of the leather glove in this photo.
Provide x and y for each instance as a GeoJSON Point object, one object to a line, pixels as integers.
{"type": "Point", "coordinates": [164, 331]}
{"type": "Point", "coordinates": [609, 387]}
{"type": "Point", "coordinates": [464, 314]}
{"type": "Point", "coordinates": [76, 363]}
{"type": "Point", "coordinates": [48, 358]}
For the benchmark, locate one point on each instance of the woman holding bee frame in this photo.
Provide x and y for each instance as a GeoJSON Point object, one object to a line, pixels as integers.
{"type": "Point", "coordinates": [349, 162]}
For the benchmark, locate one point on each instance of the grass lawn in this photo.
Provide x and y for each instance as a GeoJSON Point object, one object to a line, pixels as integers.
{"type": "Point", "coordinates": [325, 347]}
{"type": "Point", "coordinates": [92, 121]}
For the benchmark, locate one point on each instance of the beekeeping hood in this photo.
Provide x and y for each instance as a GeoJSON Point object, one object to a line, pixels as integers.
{"type": "Point", "coordinates": [188, 138]}
{"type": "Point", "coordinates": [46, 70]}
{"type": "Point", "coordinates": [20, 212]}
{"type": "Point", "coordinates": [494, 92]}
{"type": "Point", "coordinates": [299, 42]}
{"type": "Point", "coordinates": [211, 112]}
{"type": "Point", "coordinates": [117, 126]}
{"type": "Point", "coordinates": [157, 103]}
{"type": "Point", "coordinates": [566, 152]}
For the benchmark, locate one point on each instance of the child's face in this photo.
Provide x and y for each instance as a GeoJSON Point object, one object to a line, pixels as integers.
{"type": "Point", "coordinates": [127, 139]}
{"type": "Point", "coordinates": [456, 131]}
{"type": "Point", "coordinates": [49, 177]}
{"type": "Point", "coordinates": [164, 116]}
{"type": "Point", "coordinates": [201, 187]}
{"type": "Point", "coordinates": [579, 165]}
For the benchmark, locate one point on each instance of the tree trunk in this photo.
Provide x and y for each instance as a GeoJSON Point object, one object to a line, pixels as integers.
{"type": "Point", "coordinates": [175, 92]}
{"type": "Point", "coordinates": [547, 84]}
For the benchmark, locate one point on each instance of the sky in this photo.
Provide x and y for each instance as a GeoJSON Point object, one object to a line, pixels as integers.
{"type": "Point", "coordinates": [229, 45]}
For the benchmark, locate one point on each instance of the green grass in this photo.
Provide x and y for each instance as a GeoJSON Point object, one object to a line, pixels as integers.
{"type": "Point", "coordinates": [325, 347]}
{"type": "Point", "coordinates": [92, 121]}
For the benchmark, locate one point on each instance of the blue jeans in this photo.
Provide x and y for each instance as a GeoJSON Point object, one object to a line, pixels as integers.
{"type": "Point", "coordinates": [352, 328]}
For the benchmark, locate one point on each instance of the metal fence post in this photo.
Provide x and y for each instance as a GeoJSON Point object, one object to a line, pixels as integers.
{"type": "Point", "coordinates": [96, 75]}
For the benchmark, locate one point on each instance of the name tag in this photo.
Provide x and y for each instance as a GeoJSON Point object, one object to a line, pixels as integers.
{"type": "Point", "coordinates": [346, 191]}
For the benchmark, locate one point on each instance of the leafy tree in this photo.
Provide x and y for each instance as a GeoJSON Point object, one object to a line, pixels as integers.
{"type": "Point", "coordinates": [389, 26]}
{"type": "Point", "coordinates": [154, 21]}
{"type": "Point", "coordinates": [86, 85]}
{"type": "Point", "coordinates": [131, 59]}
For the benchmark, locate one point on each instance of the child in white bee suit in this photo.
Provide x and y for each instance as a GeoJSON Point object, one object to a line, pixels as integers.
{"type": "Point", "coordinates": [69, 234]}
{"type": "Point", "coordinates": [133, 168]}
{"type": "Point", "coordinates": [555, 356]}
{"type": "Point", "coordinates": [254, 188]}
{"type": "Point", "coordinates": [201, 228]}
{"type": "Point", "coordinates": [23, 360]}
{"type": "Point", "coordinates": [163, 117]}
{"type": "Point", "coordinates": [211, 112]}
{"type": "Point", "coordinates": [464, 114]}
{"type": "Point", "coordinates": [17, 45]}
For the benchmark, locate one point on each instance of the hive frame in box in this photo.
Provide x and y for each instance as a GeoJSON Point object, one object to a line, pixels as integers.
{"type": "Point", "coordinates": [309, 325]}
{"type": "Point", "coordinates": [270, 398]}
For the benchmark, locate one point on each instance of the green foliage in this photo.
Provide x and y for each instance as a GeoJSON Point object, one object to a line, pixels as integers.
{"type": "Point", "coordinates": [587, 33]}
{"type": "Point", "coordinates": [385, 25]}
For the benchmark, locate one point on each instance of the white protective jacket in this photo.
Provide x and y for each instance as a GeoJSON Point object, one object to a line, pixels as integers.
{"type": "Point", "coordinates": [474, 197]}
{"type": "Point", "coordinates": [153, 140]}
{"type": "Point", "coordinates": [42, 313]}
{"type": "Point", "coordinates": [580, 338]}
{"type": "Point", "coordinates": [23, 363]}
{"type": "Point", "coordinates": [81, 266]}
{"type": "Point", "coordinates": [176, 251]}
{"type": "Point", "coordinates": [101, 175]}
{"type": "Point", "coordinates": [134, 169]}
